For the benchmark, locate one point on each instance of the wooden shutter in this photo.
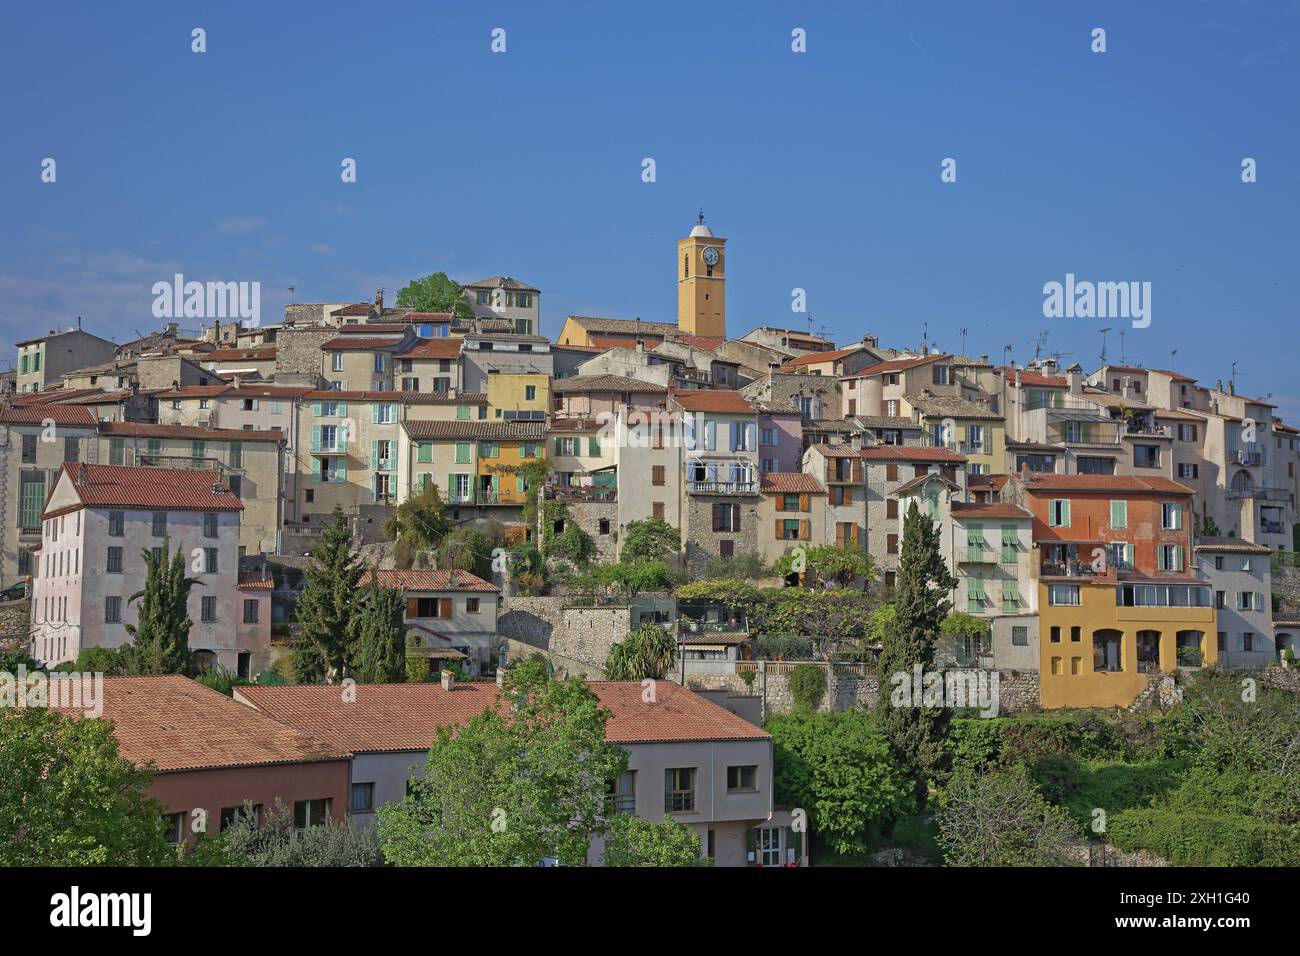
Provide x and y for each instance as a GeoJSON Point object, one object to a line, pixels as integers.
{"type": "Point", "coordinates": [444, 608]}
{"type": "Point", "coordinates": [805, 530]}
{"type": "Point", "coordinates": [804, 504]}
{"type": "Point", "coordinates": [412, 607]}
{"type": "Point", "coordinates": [735, 517]}
{"type": "Point", "coordinates": [780, 527]}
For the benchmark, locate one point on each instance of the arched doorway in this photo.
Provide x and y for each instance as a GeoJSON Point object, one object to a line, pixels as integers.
{"type": "Point", "coordinates": [1242, 481]}
{"type": "Point", "coordinates": [1148, 652]}
{"type": "Point", "coordinates": [1106, 650]}
{"type": "Point", "coordinates": [203, 660]}
{"type": "Point", "coordinates": [1190, 648]}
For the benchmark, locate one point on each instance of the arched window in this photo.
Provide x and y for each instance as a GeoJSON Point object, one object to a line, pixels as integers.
{"type": "Point", "coordinates": [1106, 647]}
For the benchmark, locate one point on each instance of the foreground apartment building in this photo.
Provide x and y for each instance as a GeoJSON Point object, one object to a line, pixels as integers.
{"type": "Point", "coordinates": [688, 758]}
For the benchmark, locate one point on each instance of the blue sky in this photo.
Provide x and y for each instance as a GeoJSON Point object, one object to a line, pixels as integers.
{"type": "Point", "coordinates": [821, 169]}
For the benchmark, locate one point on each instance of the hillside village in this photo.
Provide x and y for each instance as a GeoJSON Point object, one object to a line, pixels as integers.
{"type": "Point", "coordinates": [1107, 533]}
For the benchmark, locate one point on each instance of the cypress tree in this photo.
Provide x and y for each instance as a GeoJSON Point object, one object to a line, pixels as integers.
{"type": "Point", "coordinates": [379, 638]}
{"type": "Point", "coordinates": [325, 607]}
{"type": "Point", "coordinates": [921, 603]}
{"type": "Point", "coordinates": [161, 636]}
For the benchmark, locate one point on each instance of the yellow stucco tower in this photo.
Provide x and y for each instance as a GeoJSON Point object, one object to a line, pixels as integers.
{"type": "Point", "coordinates": [702, 283]}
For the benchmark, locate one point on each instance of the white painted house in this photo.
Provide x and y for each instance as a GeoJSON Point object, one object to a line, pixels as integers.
{"type": "Point", "coordinates": [99, 520]}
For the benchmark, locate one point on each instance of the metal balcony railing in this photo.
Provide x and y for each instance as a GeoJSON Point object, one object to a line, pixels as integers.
{"type": "Point", "coordinates": [973, 555]}
{"type": "Point", "coordinates": [722, 487]}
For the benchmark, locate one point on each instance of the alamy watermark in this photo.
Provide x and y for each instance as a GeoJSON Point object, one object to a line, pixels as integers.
{"type": "Point", "coordinates": [975, 689]}
{"type": "Point", "coordinates": [179, 299]}
{"type": "Point", "coordinates": [1098, 300]}
{"type": "Point", "coordinates": [70, 690]}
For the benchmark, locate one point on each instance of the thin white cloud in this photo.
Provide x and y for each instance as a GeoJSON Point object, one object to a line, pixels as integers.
{"type": "Point", "coordinates": [238, 225]}
{"type": "Point", "coordinates": [321, 249]}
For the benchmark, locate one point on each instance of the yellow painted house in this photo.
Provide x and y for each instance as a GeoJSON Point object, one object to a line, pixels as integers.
{"type": "Point", "coordinates": [518, 396]}
{"type": "Point", "coordinates": [473, 463]}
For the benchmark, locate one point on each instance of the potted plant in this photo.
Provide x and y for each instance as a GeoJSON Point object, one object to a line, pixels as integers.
{"type": "Point", "coordinates": [1288, 657]}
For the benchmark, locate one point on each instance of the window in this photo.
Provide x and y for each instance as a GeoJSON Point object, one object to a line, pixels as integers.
{"type": "Point", "coordinates": [250, 610]}
{"type": "Point", "coordinates": [210, 524]}
{"type": "Point", "coordinates": [657, 509]}
{"type": "Point", "coordinates": [726, 517]}
{"type": "Point", "coordinates": [114, 565]}
{"type": "Point", "coordinates": [208, 610]}
{"type": "Point", "coordinates": [210, 560]}
{"type": "Point", "coordinates": [363, 798]}
{"type": "Point", "coordinates": [603, 526]}
{"type": "Point", "coordinates": [116, 520]}
{"type": "Point", "coordinates": [231, 815]}
{"type": "Point", "coordinates": [1020, 635]}
{"type": "Point", "coordinates": [159, 528]}
{"type": "Point", "coordinates": [679, 790]}
{"type": "Point", "coordinates": [1095, 466]}
{"type": "Point", "coordinates": [1188, 470]}
{"type": "Point", "coordinates": [472, 605]}
{"type": "Point", "coordinates": [1058, 513]}
{"type": "Point", "coordinates": [1119, 514]}
{"type": "Point", "coordinates": [742, 778]}
{"type": "Point", "coordinates": [336, 361]}
{"type": "Point", "coordinates": [112, 610]}
{"type": "Point", "coordinates": [1146, 456]}
{"type": "Point", "coordinates": [310, 813]}
{"type": "Point", "coordinates": [530, 393]}
{"type": "Point", "coordinates": [622, 793]}
{"type": "Point", "coordinates": [657, 475]}
{"type": "Point", "coordinates": [767, 843]}
{"type": "Point", "coordinates": [767, 436]}
{"type": "Point", "coordinates": [174, 826]}
{"type": "Point", "coordinates": [1064, 595]}
{"type": "Point", "coordinates": [1171, 516]}
{"type": "Point", "coordinates": [1187, 433]}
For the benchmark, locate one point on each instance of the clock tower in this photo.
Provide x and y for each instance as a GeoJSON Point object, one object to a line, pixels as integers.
{"type": "Point", "coordinates": [702, 283]}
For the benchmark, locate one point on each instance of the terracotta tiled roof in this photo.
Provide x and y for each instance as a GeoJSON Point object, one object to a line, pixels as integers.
{"type": "Point", "coordinates": [838, 451]}
{"type": "Point", "coordinates": [147, 430]}
{"type": "Point", "coordinates": [475, 430]}
{"type": "Point", "coordinates": [1176, 376]}
{"type": "Point", "coordinates": [1035, 379]}
{"type": "Point", "coordinates": [895, 365]}
{"type": "Point", "coordinates": [500, 282]}
{"type": "Point", "coordinates": [920, 480]}
{"type": "Point", "coordinates": [1235, 545]}
{"type": "Point", "coordinates": [790, 483]}
{"type": "Point", "coordinates": [622, 326]}
{"type": "Point", "coordinates": [1039, 481]}
{"type": "Point", "coordinates": [67, 415]}
{"type": "Point", "coordinates": [241, 355]}
{"type": "Point", "coordinates": [605, 342]}
{"type": "Point", "coordinates": [393, 717]}
{"type": "Point", "coordinates": [53, 395]}
{"type": "Point", "coordinates": [448, 348]}
{"type": "Point", "coordinates": [414, 579]}
{"type": "Point", "coordinates": [176, 724]}
{"type": "Point", "coordinates": [255, 581]}
{"type": "Point", "coordinates": [908, 453]}
{"type": "Point", "coordinates": [358, 342]}
{"type": "Point", "coordinates": [706, 343]}
{"type": "Point", "coordinates": [578, 384]}
{"type": "Point", "coordinates": [816, 358]}
{"type": "Point", "coordinates": [950, 406]}
{"type": "Point", "coordinates": [372, 328]}
{"type": "Point", "coordinates": [711, 400]}
{"type": "Point", "coordinates": [431, 317]}
{"type": "Point", "coordinates": [356, 308]}
{"type": "Point", "coordinates": [993, 509]}
{"type": "Point", "coordinates": [161, 489]}
{"type": "Point", "coordinates": [402, 398]}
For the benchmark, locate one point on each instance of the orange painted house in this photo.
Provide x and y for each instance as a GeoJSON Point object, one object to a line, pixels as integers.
{"type": "Point", "coordinates": [1119, 599]}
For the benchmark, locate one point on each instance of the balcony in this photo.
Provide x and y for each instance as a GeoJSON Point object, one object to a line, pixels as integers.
{"type": "Point", "coordinates": [1069, 569]}
{"type": "Point", "coordinates": [1245, 456]}
{"type": "Point", "coordinates": [722, 487]}
{"type": "Point", "coordinates": [336, 447]}
{"type": "Point", "coordinates": [1264, 492]}
{"type": "Point", "coordinates": [969, 555]}
{"type": "Point", "coordinates": [1272, 527]}
{"type": "Point", "coordinates": [1143, 430]}
{"type": "Point", "coordinates": [145, 460]}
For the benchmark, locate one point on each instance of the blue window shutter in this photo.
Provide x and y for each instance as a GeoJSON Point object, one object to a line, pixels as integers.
{"type": "Point", "coordinates": [343, 409]}
{"type": "Point", "coordinates": [374, 453]}
{"type": "Point", "coordinates": [315, 439]}
{"type": "Point", "coordinates": [374, 412]}
{"type": "Point", "coordinates": [315, 409]}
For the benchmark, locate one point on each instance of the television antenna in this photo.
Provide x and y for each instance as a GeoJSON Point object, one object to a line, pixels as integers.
{"type": "Point", "coordinates": [1103, 344]}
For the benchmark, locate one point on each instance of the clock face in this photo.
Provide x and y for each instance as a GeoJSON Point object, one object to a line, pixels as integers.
{"type": "Point", "coordinates": [711, 256]}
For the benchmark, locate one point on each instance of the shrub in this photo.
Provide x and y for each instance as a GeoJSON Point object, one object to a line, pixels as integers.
{"type": "Point", "coordinates": [807, 686]}
{"type": "Point", "coordinates": [775, 647]}
{"type": "Point", "coordinates": [1205, 839]}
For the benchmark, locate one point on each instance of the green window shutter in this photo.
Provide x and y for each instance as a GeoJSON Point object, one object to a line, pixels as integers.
{"type": "Point", "coordinates": [374, 454]}
{"type": "Point", "coordinates": [315, 438]}
{"type": "Point", "coordinates": [315, 469]}
{"type": "Point", "coordinates": [593, 446]}
{"type": "Point", "coordinates": [1161, 562]}
{"type": "Point", "coordinates": [1119, 514]}
{"type": "Point", "coordinates": [1128, 555]}
{"type": "Point", "coordinates": [975, 537]}
{"type": "Point", "coordinates": [315, 409]}
{"type": "Point", "coordinates": [1065, 523]}
{"type": "Point", "coordinates": [1178, 517]}
{"type": "Point", "coordinates": [558, 446]}
{"type": "Point", "coordinates": [1010, 592]}
{"type": "Point", "coordinates": [374, 413]}
{"type": "Point", "coordinates": [462, 413]}
{"type": "Point", "coordinates": [519, 484]}
{"type": "Point", "coordinates": [374, 486]}
{"type": "Point", "coordinates": [343, 469]}
{"type": "Point", "coordinates": [343, 409]}
{"type": "Point", "coordinates": [1178, 558]}
{"type": "Point", "coordinates": [424, 452]}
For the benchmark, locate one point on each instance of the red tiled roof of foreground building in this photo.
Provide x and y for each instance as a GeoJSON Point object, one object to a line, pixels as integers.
{"type": "Point", "coordinates": [175, 724]}
{"type": "Point", "coordinates": [896, 365]}
{"type": "Point", "coordinates": [390, 717]}
{"type": "Point", "coordinates": [993, 509]}
{"type": "Point", "coordinates": [790, 483]}
{"type": "Point", "coordinates": [415, 579]}
{"type": "Point", "coordinates": [161, 489]}
{"type": "Point", "coordinates": [448, 348]}
{"type": "Point", "coordinates": [713, 400]}
{"type": "Point", "coordinates": [817, 358]}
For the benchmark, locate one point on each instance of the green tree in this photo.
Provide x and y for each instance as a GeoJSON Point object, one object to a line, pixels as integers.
{"type": "Point", "coordinates": [999, 818]}
{"type": "Point", "coordinates": [273, 841]}
{"type": "Point", "coordinates": [917, 734]}
{"type": "Point", "coordinates": [652, 538]}
{"type": "Point", "coordinates": [325, 607]}
{"type": "Point", "coordinates": [161, 636]}
{"type": "Point", "coordinates": [69, 798]}
{"type": "Point", "coordinates": [842, 564]}
{"type": "Point", "coordinates": [807, 684]}
{"type": "Point", "coordinates": [469, 550]}
{"type": "Point", "coordinates": [379, 636]}
{"type": "Point", "coordinates": [629, 578]}
{"type": "Point", "coordinates": [519, 782]}
{"type": "Point", "coordinates": [435, 293]}
{"type": "Point", "coordinates": [649, 653]}
{"type": "Point", "coordinates": [417, 524]}
{"type": "Point", "coordinates": [632, 841]}
{"type": "Point", "coordinates": [839, 768]}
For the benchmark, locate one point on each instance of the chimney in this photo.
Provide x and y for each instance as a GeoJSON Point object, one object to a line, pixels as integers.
{"type": "Point", "coordinates": [984, 360]}
{"type": "Point", "coordinates": [379, 300]}
{"type": "Point", "coordinates": [1076, 382]}
{"type": "Point", "coordinates": [1232, 387]}
{"type": "Point", "coordinates": [448, 679]}
{"type": "Point", "coordinates": [81, 474]}
{"type": "Point", "coordinates": [501, 677]}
